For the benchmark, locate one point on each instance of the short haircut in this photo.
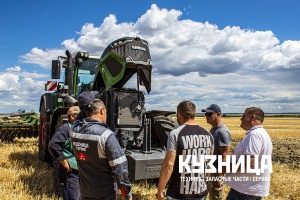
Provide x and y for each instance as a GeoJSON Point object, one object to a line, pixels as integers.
{"type": "Point", "coordinates": [94, 108]}
{"type": "Point", "coordinates": [259, 114]}
{"type": "Point", "coordinates": [187, 109]}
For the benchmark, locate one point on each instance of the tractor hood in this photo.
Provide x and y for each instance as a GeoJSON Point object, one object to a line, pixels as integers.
{"type": "Point", "coordinates": [121, 60]}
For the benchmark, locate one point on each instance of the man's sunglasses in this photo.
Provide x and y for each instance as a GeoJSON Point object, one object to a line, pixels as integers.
{"type": "Point", "coordinates": [209, 114]}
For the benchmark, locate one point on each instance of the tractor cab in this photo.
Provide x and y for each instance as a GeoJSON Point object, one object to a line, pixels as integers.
{"type": "Point", "coordinates": [79, 74]}
{"type": "Point", "coordinates": [84, 75]}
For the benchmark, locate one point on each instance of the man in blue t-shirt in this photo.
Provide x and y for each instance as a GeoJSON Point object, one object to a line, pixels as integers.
{"type": "Point", "coordinates": [222, 140]}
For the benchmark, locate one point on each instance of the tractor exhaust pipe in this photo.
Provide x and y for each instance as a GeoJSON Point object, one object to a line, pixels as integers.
{"type": "Point", "coordinates": [68, 76]}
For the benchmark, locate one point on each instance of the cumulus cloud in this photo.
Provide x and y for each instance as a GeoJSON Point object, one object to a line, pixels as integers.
{"type": "Point", "coordinates": [20, 89]}
{"type": "Point", "coordinates": [17, 71]}
{"type": "Point", "coordinates": [197, 60]}
{"type": "Point", "coordinates": [8, 82]}
{"type": "Point", "coordinates": [41, 57]}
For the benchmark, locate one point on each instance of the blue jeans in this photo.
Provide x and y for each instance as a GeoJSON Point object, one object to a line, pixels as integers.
{"type": "Point", "coordinates": [235, 195]}
{"type": "Point", "coordinates": [69, 183]}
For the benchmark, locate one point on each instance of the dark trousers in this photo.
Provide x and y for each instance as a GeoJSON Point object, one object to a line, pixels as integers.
{"type": "Point", "coordinates": [235, 195]}
{"type": "Point", "coordinates": [69, 183]}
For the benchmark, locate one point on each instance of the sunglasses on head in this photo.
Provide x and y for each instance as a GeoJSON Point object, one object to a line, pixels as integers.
{"type": "Point", "coordinates": [208, 114]}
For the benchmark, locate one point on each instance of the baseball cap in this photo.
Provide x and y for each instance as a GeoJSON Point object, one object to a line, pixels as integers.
{"type": "Point", "coordinates": [212, 108]}
{"type": "Point", "coordinates": [86, 98]}
{"type": "Point", "coordinates": [73, 110]}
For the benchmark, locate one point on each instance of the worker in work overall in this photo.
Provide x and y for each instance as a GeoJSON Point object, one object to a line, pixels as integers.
{"type": "Point", "coordinates": [65, 163]}
{"type": "Point", "coordinates": [102, 164]}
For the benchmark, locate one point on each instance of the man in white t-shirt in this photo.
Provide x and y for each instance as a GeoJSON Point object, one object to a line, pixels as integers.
{"type": "Point", "coordinates": [257, 147]}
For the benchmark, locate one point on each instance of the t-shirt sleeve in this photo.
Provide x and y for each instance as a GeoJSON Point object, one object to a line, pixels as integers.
{"type": "Point", "coordinates": [172, 142]}
{"type": "Point", "coordinates": [252, 145]}
{"type": "Point", "coordinates": [224, 138]}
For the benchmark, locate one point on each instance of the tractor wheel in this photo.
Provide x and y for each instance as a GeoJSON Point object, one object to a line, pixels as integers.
{"type": "Point", "coordinates": [160, 128]}
{"type": "Point", "coordinates": [44, 154]}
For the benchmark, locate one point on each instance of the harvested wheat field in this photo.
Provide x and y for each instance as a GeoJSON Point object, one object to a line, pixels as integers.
{"type": "Point", "coordinates": [24, 177]}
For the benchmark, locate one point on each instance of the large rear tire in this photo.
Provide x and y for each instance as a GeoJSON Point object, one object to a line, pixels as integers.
{"type": "Point", "coordinates": [44, 154]}
{"type": "Point", "coordinates": [161, 126]}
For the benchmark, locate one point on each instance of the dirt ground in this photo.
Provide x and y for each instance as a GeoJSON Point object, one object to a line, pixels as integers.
{"type": "Point", "coordinates": [285, 150]}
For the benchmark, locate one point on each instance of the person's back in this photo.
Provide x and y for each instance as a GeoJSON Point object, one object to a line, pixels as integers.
{"type": "Point", "coordinates": [195, 141]}
{"type": "Point", "coordinates": [102, 164]}
{"type": "Point", "coordinates": [95, 172]}
{"type": "Point", "coordinates": [186, 147]}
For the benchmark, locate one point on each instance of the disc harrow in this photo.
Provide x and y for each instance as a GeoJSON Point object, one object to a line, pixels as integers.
{"type": "Point", "coordinates": [21, 125]}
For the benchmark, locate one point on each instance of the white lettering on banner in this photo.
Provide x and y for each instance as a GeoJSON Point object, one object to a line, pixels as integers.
{"type": "Point", "coordinates": [266, 163]}
{"type": "Point", "coordinates": [81, 146]}
{"type": "Point", "coordinates": [192, 164]}
{"type": "Point", "coordinates": [196, 141]}
{"type": "Point", "coordinates": [204, 163]}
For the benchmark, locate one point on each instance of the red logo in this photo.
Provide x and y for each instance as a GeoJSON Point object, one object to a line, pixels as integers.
{"type": "Point", "coordinates": [81, 156]}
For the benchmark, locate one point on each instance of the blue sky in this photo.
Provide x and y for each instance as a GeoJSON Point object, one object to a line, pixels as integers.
{"type": "Point", "coordinates": [233, 53]}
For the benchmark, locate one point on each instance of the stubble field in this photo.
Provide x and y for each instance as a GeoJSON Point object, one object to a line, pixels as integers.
{"type": "Point", "coordinates": [24, 177]}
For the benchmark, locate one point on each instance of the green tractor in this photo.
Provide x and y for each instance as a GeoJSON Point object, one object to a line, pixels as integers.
{"type": "Point", "coordinates": [142, 134]}
{"type": "Point", "coordinates": [78, 77]}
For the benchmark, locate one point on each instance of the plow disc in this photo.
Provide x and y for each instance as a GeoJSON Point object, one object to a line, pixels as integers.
{"type": "Point", "coordinates": [18, 125]}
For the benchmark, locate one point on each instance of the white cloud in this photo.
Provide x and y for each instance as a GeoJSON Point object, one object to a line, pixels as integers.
{"type": "Point", "coordinates": [20, 89]}
{"type": "Point", "coordinates": [15, 97]}
{"type": "Point", "coordinates": [41, 57]}
{"type": "Point", "coordinates": [195, 60]}
{"type": "Point", "coordinates": [17, 71]}
{"type": "Point", "coordinates": [8, 82]}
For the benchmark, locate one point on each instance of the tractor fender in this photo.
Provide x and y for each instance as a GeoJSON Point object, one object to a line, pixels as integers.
{"type": "Point", "coordinates": [154, 113]}
{"type": "Point", "coordinates": [47, 98]}
{"type": "Point", "coordinates": [161, 125]}
{"type": "Point", "coordinates": [58, 118]}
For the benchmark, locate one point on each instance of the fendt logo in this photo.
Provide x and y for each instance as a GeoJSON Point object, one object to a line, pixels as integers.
{"type": "Point", "coordinates": [138, 48]}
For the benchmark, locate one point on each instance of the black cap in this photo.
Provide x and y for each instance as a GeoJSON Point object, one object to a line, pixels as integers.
{"type": "Point", "coordinates": [212, 108]}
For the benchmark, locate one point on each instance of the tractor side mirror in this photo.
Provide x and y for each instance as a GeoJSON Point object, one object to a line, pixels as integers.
{"type": "Point", "coordinates": [55, 69]}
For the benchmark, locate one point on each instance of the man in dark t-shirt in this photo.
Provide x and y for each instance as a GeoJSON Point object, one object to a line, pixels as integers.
{"type": "Point", "coordinates": [186, 146]}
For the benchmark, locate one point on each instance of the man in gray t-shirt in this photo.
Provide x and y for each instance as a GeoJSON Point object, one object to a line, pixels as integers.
{"type": "Point", "coordinates": [222, 140]}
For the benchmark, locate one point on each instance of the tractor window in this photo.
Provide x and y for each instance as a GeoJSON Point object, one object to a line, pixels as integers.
{"type": "Point", "coordinates": [86, 74]}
